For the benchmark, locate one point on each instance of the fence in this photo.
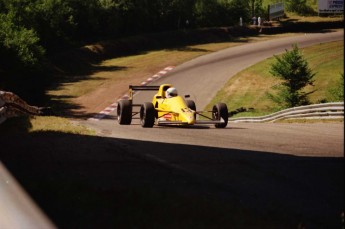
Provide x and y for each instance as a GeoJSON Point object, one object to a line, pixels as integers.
{"type": "Point", "coordinates": [323, 110]}
{"type": "Point", "coordinates": [276, 10]}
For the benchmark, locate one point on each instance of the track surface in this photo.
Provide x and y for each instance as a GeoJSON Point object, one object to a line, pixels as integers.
{"type": "Point", "coordinates": [294, 170]}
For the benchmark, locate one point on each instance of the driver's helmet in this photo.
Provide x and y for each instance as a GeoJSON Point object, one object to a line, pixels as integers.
{"type": "Point", "coordinates": [171, 92]}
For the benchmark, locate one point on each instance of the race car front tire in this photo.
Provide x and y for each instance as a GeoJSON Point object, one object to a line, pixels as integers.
{"type": "Point", "coordinates": [147, 115]}
{"type": "Point", "coordinates": [191, 105]}
{"type": "Point", "coordinates": [220, 111]}
{"type": "Point", "coordinates": [124, 112]}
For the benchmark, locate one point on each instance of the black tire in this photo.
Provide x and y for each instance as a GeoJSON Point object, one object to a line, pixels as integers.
{"type": "Point", "coordinates": [191, 105]}
{"type": "Point", "coordinates": [147, 115]}
{"type": "Point", "coordinates": [220, 110]}
{"type": "Point", "coordinates": [124, 112]}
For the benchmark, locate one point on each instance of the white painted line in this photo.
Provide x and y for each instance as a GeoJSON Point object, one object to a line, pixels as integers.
{"type": "Point", "coordinates": [94, 119]}
{"type": "Point", "coordinates": [169, 68]}
{"type": "Point", "coordinates": [109, 109]}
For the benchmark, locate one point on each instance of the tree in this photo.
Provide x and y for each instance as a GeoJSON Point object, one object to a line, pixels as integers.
{"type": "Point", "coordinates": [259, 9]}
{"type": "Point", "coordinates": [299, 7]}
{"type": "Point", "coordinates": [295, 75]}
{"type": "Point", "coordinates": [239, 8]}
{"type": "Point", "coordinates": [18, 45]}
{"type": "Point", "coordinates": [206, 13]}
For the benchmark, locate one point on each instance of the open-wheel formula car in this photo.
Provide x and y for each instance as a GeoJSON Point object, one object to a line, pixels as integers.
{"type": "Point", "coordinates": [168, 109]}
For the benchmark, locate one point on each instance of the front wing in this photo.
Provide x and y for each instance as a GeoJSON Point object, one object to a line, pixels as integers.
{"type": "Point", "coordinates": [197, 122]}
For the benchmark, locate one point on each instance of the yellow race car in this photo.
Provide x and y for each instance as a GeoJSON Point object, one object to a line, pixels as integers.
{"type": "Point", "coordinates": [168, 108]}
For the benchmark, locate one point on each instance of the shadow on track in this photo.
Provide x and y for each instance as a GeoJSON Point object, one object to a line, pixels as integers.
{"type": "Point", "coordinates": [88, 182]}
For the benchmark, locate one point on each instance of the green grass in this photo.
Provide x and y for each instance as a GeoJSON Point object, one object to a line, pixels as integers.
{"type": "Point", "coordinates": [327, 61]}
{"type": "Point", "coordinates": [26, 125]}
{"type": "Point", "coordinates": [248, 88]}
{"type": "Point", "coordinates": [50, 123]}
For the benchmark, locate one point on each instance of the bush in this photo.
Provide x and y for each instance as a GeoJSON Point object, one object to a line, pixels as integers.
{"type": "Point", "coordinates": [299, 6]}
{"type": "Point", "coordinates": [295, 74]}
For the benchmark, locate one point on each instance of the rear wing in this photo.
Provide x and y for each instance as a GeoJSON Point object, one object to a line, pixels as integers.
{"type": "Point", "coordinates": [141, 88]}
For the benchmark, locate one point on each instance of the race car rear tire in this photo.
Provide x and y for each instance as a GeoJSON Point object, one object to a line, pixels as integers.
{"type": "Point", "coordinates": [220, 111]}
{"type": "Point", "coordinates": [124, 112]}
{"type": "Point", "coordinates": [147, 115]}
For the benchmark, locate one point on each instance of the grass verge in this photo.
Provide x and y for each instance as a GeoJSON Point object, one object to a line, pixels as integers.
{"type": "Point", "coordinates": [25, 125]}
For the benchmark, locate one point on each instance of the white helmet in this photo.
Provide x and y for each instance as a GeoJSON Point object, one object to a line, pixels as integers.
{"type": "Point", "coordinates": [171, 92]}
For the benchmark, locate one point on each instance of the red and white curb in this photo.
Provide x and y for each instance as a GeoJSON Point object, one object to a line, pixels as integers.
{"type": "Point", "coordinates": [113, 106]}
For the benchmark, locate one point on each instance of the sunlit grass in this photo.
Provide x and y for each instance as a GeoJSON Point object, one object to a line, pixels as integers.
{"type": "Point", "coordinates": [27, 124]}
{"type": "Point", "coordinates": [58, 124]}
{"type": "Point", "coordinates": [327, 61]}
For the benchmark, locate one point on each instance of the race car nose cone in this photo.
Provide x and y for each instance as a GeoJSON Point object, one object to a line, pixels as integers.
{"type": "Point", "coordinates": [190, 118]}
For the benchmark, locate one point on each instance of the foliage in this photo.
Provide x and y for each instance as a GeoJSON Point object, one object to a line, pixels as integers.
{"type": "Point", "coordinates": [18, 45]}
{"type": "Point", "coordinates": [257, 8]}
{"type": "Point", "coordinates": [33, 29]}
{"type": "Point", "coordinates": [299, 6]}
{"type": "Point", "coordinates": [295, 74]}
{"type": "Point", "coordinates": [260, 11]}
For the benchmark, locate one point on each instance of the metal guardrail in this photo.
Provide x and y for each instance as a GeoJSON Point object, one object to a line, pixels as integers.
{"type": "Point", "coordinates": [323, 110]}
